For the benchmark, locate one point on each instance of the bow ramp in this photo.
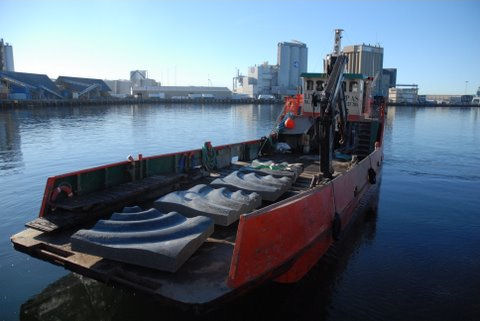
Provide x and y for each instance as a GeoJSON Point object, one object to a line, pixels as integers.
{"type": "Point", "coordinates": [146, 238]}
{"type": "Point", "coordinates": [220, 204]}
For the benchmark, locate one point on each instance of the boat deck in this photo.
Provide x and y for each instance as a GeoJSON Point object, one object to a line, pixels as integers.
{"type": "Point", "coordinates": [203, 276]}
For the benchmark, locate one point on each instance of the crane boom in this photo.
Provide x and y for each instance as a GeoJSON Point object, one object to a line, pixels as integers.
{"type": "Point", "coordinates": [332, 103]}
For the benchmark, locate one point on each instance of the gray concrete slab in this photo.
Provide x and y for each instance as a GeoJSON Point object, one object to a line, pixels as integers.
{"type": "Point", "coordinates": [221, 204]}
{"type": "Point", "coordinates": [286, 169]}
{"type": "Point", "coordinates": [270, 188]}
{"type": "Point", "coordinates": [146, 238]}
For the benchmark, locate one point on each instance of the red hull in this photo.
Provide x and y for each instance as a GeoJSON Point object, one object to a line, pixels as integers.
{"type": "Point", "coordinates": [292, 235]}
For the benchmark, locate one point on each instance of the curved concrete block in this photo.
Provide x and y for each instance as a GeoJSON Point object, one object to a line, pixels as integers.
{"type": "Point", "coordinates": [220, 204]}
{"type": "Point", "coordinates": [132, 209]}
{"type": "Point", "coordinates": [147, 238]}
{"type": "Point", "coordinates": [269, 187]}
{"type": "Point", "coordinates": [289, 170]}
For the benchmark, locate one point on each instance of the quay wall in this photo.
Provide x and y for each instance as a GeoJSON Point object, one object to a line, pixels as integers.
{"type": "Point", "coordinates": [8, 103]}
{"type": "Point", "coordinates": [431, 105]}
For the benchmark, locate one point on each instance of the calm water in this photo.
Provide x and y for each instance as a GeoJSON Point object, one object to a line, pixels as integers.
{"type": "Point", "coordinates": [417, 258]}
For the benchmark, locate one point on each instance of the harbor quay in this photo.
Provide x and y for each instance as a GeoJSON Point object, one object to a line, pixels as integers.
{"type": "Point", "coordinates": [8, 103]}
{"type": "Point", "coordinates": [432, 104]}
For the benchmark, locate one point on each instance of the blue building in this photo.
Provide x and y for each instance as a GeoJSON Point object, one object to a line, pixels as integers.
{"type": "Point", "coordinates": [82, 88]}
{"type": "Point", "coordinates": [22, 85]}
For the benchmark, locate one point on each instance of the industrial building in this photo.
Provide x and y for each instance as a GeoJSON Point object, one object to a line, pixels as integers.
{"type": "Point", "coordinates": [82, 88]}
{"type": "Point", "coordinates": [21, 85]}
{"type": "Point", "coordinates": [143, 86]}
{"type": "Point", "coordinates": [476, 98]}
{"type": "Point", "coordinates": [292, 62]}
{"type": "Point", "coordinates": [448, 99]}
{"type": "Point", "coordinates": [139, 81]}
{"type": "Point", "coordinates": [388, 80]}
{"type": "Point", "coordinates": [140, 85]}
{"type": "Point", "coordinates": [281, 79]}
{"type": "Point", "coordinates": [367, 60]}
{"type": "Point", "coordinates": [182, 92]}
{"type": "Point", "coordinates": [139, 78]}
{"type": "Point", "coordinates": [260, 80]}
{"type": "Point", "coordinates": [119, 88]}
{"type": "Point", "coordinates": [406, 94]}
{"type": "Point", "coordinates": [364, 59]}
{"type": "Point", "coordinates": [6, 57]}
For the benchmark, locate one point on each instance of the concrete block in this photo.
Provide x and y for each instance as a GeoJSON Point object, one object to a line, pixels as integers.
{"type": "Point", "coordinates": [146, 238]}
{"type": "Point", "coordinates": [276, 170]}
{"type": "Point", "coordinates": [269, 187]}
{"type": "Point", "coordinates": [220, 204]}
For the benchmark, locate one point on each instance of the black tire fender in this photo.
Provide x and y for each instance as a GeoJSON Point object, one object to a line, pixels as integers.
{"type": "Point", "coordinates": [372, 176]}
{"type": "Point", "coordinates": [336, 227]}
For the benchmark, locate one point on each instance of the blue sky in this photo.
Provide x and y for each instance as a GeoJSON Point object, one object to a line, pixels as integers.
{"type": "Point", "coordinates": [435, 44]}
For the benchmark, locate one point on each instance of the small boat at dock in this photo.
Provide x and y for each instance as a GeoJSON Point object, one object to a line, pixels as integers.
{"type": "Point", "coordinates": [205, 225]}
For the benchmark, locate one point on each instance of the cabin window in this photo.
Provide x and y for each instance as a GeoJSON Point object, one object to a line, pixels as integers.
{"type": "Point", "coordinates": [319, 85]}
{"type": "Point", "coordinates": [309, 84]}
{"type": "Point", "coordinates": [353, 87]}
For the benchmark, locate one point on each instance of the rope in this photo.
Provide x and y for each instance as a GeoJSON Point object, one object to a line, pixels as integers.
{"type": "Point", "coordinates": [209, 157]}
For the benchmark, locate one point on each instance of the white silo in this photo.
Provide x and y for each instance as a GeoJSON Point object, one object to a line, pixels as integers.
{"type": "Point", "coordinates": [294, 75]}
{"type": "Point", "coordinates": [292, 62]}
{"type": "Point", "coordinates": [9, 58]}
{"type": "Point", "coordinates": [6, 57]}
{"type": "Point", "coordinates": [303, 61]}
{"type": "Point", "coordinates": [282, 60]}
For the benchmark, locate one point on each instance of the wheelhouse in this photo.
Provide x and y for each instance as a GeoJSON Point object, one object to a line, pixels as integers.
{"type": "Point", "coordinates": [355, 87]}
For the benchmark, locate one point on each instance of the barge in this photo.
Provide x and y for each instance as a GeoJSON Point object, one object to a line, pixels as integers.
{"type": "Point", "coordinates": [203, 226]}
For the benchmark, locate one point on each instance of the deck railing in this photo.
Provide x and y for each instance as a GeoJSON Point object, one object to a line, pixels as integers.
{"type": "Point", "coordinates": [106, 176]}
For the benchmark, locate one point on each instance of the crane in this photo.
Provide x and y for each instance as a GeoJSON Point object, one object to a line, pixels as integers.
{"type": "Point", "coordinates": [332, 103]}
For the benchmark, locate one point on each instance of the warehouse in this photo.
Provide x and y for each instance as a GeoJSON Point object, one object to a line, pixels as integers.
{"type": "Point", "coordinates": [82, 88]}
{"type": "Point", "coordinates": [172, 92]}
{"type": "Point", "coordinates": [22, 85]}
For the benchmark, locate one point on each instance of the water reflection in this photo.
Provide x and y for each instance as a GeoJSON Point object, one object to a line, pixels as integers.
{"type": "Point", "coordinates": [11, 158]}
{"type": "Point", "coordinates": [74, 297]}
{"type": "Point", "coordinates": [44, 134]}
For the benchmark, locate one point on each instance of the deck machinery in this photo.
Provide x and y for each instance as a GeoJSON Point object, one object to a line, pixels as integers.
{"type": "Point", "coordinates": [324, 112]}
